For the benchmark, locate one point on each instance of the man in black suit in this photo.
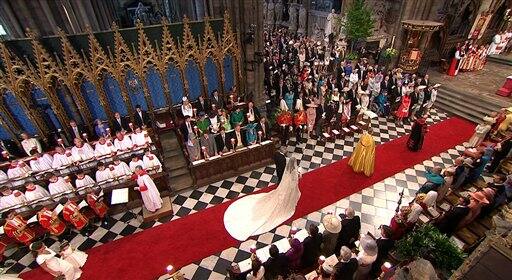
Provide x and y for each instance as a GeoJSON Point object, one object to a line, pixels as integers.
{"type": "Point", "coordinates": [239, 137]}
{"type": "Point", "coordinates": [252, 113]}
{"type": "Point", "coordinates": [350, 227]}
{"type": "Point", "coordinates": [76, 130]}
{"type": "Point", "coordinates": [119, 123]}
{"type": "Point", "coordinates": [202, 105]}
{"type": "Point", "coordinates": [384, 245]}
{"type": "Point", "coordinates": [186, 128]}
{"type": "Point", "coordinates": [347, 265]}
{"type": "Point", "coordinates": [264, 127]}
{"type": "Point", "coordinates": [277, 265]}
{"type": "Point", "coordinates": [141, 117]}
{"type": "Point", "coordinates": [280, 161]}
{"type": "Point", "coordinates": [223, 141]}
{"type": "Point", "coordinates": [449, 221]}
{"type": "Point", "coordinates": [217, 100]}
{"type": "Point", "coordinates": [501, 152]}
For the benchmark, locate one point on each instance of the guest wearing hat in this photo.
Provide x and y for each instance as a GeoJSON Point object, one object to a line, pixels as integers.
{"type": "Point", "coordinates": [312, 245]}
{"type": "Point", "coordinates": [186, 108]}
{"type": "Point", "coordinates": [384, 245]}
{"type": "Point", "coordinates": [477, 201]}
{"type": "Point", "coordinates": [332, 227]}
{"type": "Point", "coordinates": [325, 272]}
{"type": "Point", "coordinates": [464, 171]}
{"type": "Point", "coordinates": [478, 165]}
{"type": "Point", "coordinates": [73, 256]}
{"type": "Point", "coordinates": [481, 132]}
{"type": "Point", "coordinates": [447, 223]}
{"type": "Point", "coordinates": [237, 116]}
{"type": "Point", "coordinates": [366, 257]}
{"type": "Point", "coordinates": [48, 260]}
{"type": "Point", "coordinates": [347, 265]}
{"type": "Point", "coordinates": [277, 264]}
{"type": "Point", "coordinates": [294, 254]}
{"type": "Point", "coordinates": [502, 149]}
{"type": "Point", "coordinates": [350, 227]}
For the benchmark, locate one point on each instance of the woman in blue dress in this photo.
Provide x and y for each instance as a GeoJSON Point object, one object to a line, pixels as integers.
{"type": "Point", "coordinates": [250, 134]}
{"type": "Point", "coordinates": [288, 98]}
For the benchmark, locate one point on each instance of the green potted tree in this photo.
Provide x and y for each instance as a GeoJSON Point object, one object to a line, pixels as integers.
{"type": "Point", "coordinates": [359, 23]}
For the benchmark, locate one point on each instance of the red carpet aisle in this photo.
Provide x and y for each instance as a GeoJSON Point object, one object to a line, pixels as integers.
{"type": "Point", "coordinates": [145, 255]}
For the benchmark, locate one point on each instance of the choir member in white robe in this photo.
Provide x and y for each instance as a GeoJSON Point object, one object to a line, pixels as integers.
{"type": "Point", "coordinates": [10, 198]}
{"type": "Point", "coordinates": [58, 185]}
{"type": "Point", "coordinates": [62, 158]}
{"type": "Point", "coordinates": [104, 147]}
{"type": "Point", "coordinates": [148, 190]}
{"type": "Point", "coordinates": [122, 143]}
{"type": "Point", "coordinates": [34, 192]}
{"type": "Point", "coordinates": [18, 169]}
{"type": "Point", "coordinates": [151, 161]}
{"type": "Point", "coordinates": [41, 163]}
{"type": "Point", "coordinates": [81, 151]}
{"type": "Point", "coordinates": [30, 144]}
{"type": "Point", "coordinates": [140, 137]}
{"type": "Point", "coordinates": [136, 161]}
{"type": "Point", "coordinates": [121, 168]}
{"type": "Point", "coordinates": [83, 180]}
{"type": "Point", "coordinates": [3, 176]}
{"type": "Point", "coordinates": [103, 173]}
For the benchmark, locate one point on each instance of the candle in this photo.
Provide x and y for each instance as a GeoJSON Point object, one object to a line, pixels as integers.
{"type": "Point", "coordinates": [194, 111]}
{"type": "Point", "coordinates": [392, 41]}
{"type": "Point", "coordinates": [259, 136]}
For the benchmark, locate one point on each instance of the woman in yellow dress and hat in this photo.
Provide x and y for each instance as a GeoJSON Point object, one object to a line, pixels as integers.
{"type": "Point", "coordinates": [363, 157]}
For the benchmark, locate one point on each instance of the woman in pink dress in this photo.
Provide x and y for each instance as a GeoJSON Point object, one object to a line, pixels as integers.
{"type": "Point", "coordinates": [403, 110]}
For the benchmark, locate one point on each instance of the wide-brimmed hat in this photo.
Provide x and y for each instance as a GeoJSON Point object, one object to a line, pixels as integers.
{"type": "Point", "coordinates": [479, 196]}
{"type": "Point", "coordinates": [331, 223]}
{"type": "Point", "coordinates": [369, 245]}
{"type": "Point", "coordinates": [509, 109]}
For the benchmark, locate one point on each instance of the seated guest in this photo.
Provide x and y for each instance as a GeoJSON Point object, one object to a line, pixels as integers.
{"type": "Point", "coordinates": [121, 168]}
{"type": "Point", "coordinates": [208, 142]}
{"type": "Point", "coordinates": [148, 190]}
{"type": "Point", "coordinates": [311, 245]}
{"type": "Point", "coordinates": [141, 117]}
{"type": "Point", "coordinates": [294, 254]}
{"type": "Point", "coordinates": [104, 147]}
{"type": "Point", "coordinates": [264, 127]}
{"type": "Point", "coordinates": [122, 142]}
{"type": "Point", "coordinates": [77, 130]}
{"type": "Point", "coordinates": [150, 161]}
{"type": "Point", "coordinates": [33, 191]}
{"type": "Point", "coordinates": [347, 265]}
{"type": "Point", "coordinates": [476, 201]}
{"type": "Point", "coordinates": [447, 223]}
{"type": "Point", "coordinates": [257, 270]}
{"type": "Point", "coordinates": [136, 161]}
{"type": "Point", "coordinates": [250, 134]}
{"type": "Point", "coordinates": [58, 184]}
{"type": "Point", "coordinates": [416, 208]}
{"type": "Point", "coordinates": [61, 158]}
{"type": "Point", "coordinates": [434, 180]}
{"type": "Point", "coordinates": [366, 257]}
{"type": "Point", "coordinates": [479, 165]}
{"type": "Point", "coordinates": [214, 122]}
{"type": "Point", "coordinates": [48, 260]}
{"type": "Point", "coordinates": [140, 137]}
{"type": "Point", "coordinates": [81, 151]}
{"type": "Point", "coordinates": [447, 185]}
{"type": "Point", "coordinates": [239, 138]}
{"type": "Point", "coordinates": [71, 213]}
{"type": "Point", "coordinates": [202, 105]}
{"type": "Point", "coordinates": [103, 173]}
{"type": "Point", "coordinates": [332, 227]}
{"type": "Point", "coordinates": [10, 198]}
{"type": "Point", "coordinates": [384, 246]}
{"type": "Point", "coordinates": [101, 129]}
{"type": "Point", "coordinates": [223, 141]}
{"type": "Point", "coordinates": [253, 114]}
{"type": "Point", "coordinates": [119, 123]}
{"type": "Point", "coordinates": [16, 227]}
{"type": "Point", "coordinates": [186, 108]}
{"type": "Point", "coordinates": [18, 169]}
{"type": "Point", "coordinates": [30, 144]}
{"type": "Point", "coordinates": [203, 123]}
{"type": "Point", "coordinates": [350, 227]}
{"type": "Point", "coordinates": [41, 162]}
{"type": "Point", "coordinates": [237, 117]}
{"type": "Point", "coordinates": [193, 145]}
{"type": "Point", "coordinates": [50, 221]}
{"type": "Point", "coordinates": [277, 264]}
{"type": "Point", "coordinates": [83, 180]}
{"type": "Point", "coordinates": [187, 128]}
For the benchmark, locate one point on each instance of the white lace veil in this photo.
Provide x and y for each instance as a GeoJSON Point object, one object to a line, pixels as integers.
{"type": "Point", "coordinates": [291, 165]}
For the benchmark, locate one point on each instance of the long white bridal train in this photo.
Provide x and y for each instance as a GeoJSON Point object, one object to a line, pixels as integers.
{"type": "Point", "coordinates": [259, 213]}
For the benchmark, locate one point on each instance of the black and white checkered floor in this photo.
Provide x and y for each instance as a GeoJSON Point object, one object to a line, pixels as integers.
{"type": "Point", "coordinates": [374, 204]}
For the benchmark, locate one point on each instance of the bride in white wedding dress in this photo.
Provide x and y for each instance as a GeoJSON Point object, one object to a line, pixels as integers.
{"type": "Point", "coordinates": [259, 213]}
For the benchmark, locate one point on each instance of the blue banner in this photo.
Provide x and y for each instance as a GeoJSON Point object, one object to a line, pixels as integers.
{"type": "Point", "coordinates": [194, 80]}
{"type": "Point", "coordinates": [92, 99]}
{"type": "Point", "coordinates": [175, 84]}
{"type": "Point", "coordinates": [155, 88]}
{"type": "Point", "coordinates": [229, 78]}
{"type": "Point", "coordinates": [44, 106]}
{"type": "Point", "coordinates": [115, 99]}
{"type": "Point", "coordinates": [18, 113]}
{"type": "Point", "coordinates": [211, 75]}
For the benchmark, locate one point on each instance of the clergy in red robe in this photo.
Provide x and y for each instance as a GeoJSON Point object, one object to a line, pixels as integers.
{"type": "Point", "coordinates": [71, 213]}
{"type": "Point", "coordinates": [97, 205]}
{"type": "Point", "coordinates": [50, 221]}
{"type": "Point", "coordinates": [16, 227]}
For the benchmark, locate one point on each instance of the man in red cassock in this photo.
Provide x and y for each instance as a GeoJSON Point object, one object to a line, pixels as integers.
{"type": "Point", "coordinates": [71, 213]}
{"type": "Point", "coordinates": [50, 221]}
{"type": "Point", "coordinates": [16, 227]}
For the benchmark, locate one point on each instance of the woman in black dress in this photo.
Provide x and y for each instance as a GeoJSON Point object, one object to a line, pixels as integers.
{"type": "Point", "coordinates": [419, 128]}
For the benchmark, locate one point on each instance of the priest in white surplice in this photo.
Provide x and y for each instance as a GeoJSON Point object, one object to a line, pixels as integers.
{"type": "Point", "coordinates": [58, 184]}
{"type": "Point", "coordinates": [10, 198]}
{"type": "Point", "coordinates": [18, 169]}
{"type": "Point", "coordinates": [81, 151]}
{"type": "Point", "coordinates": [103, 173]}
{"type": "Point", "coordinates": [140, 137]}
{"type": "Point", "coordinates": [122, 142]}
{"type": "Point", "coordinates": [62, 158]}
{"type": "Point", "coordinates": [34, 191]}
{"type": "Point", "coordinates": [30, 144]}
{"type": "Point", "coordinates": [151, 161]}
{"type": "Point", "coordinates": [83, 180]}
{"type": "Point", "coordinates": [104, 147]}
{"type": "Point", "coordinates": [136, 161]}
{"type": "Point", "coordinates": [148, 190]}
{"type": "Point", "coordinates": [41, 162]}
{"type": "Point", "coordinates": [121, 168]}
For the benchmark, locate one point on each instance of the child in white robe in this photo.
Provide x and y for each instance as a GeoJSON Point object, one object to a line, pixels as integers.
{"type": "Point", "coordinates": [104, 147]}
{"type": "Point", "coordinates": [151, 161]}
{"type": "Point", "coordinates": [18, 170]}
{"type": "Point", "coordinates": [34, 192]}
{"type": "Point", "coordinates": [121, 168]}
{"type": "Point", "coordinates": [3, 176]}
{"type": "Point", "coordinates": [148, 190]}
{"type": "Point", "coordinates": [103, 173]}
{"type": "Point", "coordinates": [122, 143]}
{"type": "Point", "coordinates": [75, 257]}
{"type": "Point", "coordinates": [41, 163]}
{"type": "Point", "coordinates": [62, 158]}
{"type": "Point", "coordinates": [58, 185]}
{"type": "Point", "coordinates": [136, 161]}
{"type": "Point", "coordinates": [83, 180]}
{"type": "Point", "coordinates": [10, 198]}
{"type": "Point", "coordinates": [81, 151]}
{"type": "Point", "coordinates": [140, 137]}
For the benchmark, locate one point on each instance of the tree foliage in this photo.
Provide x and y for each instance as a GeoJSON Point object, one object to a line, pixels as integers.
{"type": "Point", "coordinates": [360, 23]}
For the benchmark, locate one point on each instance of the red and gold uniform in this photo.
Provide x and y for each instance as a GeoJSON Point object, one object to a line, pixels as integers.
{"type": "Point", "coordinates": [51, 222]}
{"type": "Point", "coordinates": [96, 205]}
{"type": "Point", "coordinates": [71, 213]}
{"type": "Point", "coordinates": [16, 227]}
